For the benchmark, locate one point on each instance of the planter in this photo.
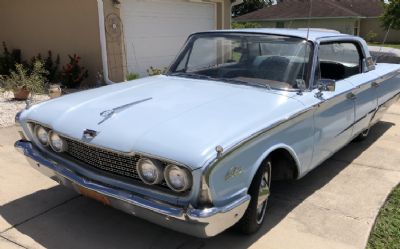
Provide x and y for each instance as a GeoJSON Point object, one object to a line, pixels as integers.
{"type": "Point", "coordinates": [54, 91]}
{"type": "Point", "coordinates": [21, 93]}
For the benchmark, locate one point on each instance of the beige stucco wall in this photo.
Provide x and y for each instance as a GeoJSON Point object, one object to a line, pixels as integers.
{"type": "Point", "coordinates": [342, 25]}
{"type": "Point", "coordinates": [373, 25]}
{"type": "Point", "coordinates": [63, 26]}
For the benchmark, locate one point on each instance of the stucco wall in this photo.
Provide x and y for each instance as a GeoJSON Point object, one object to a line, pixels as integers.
{"type": "Point", "coordinates": [373, 25]}
{"type": "Point", "coordinates": [342, 25]}
{"type": "Point", "coordinates": [63, 26]}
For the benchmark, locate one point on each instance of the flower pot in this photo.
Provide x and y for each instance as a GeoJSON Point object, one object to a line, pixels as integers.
{"type": "Point", "coordinates": [21, 93]}
{"type": "Point", "coordinates": [54, 91]}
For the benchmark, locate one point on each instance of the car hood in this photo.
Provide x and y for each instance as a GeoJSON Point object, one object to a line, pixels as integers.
{"type": "Point", "coordinates": [174, 118]}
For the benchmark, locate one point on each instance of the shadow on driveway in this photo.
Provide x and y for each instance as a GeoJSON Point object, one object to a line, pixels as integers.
{"type": "Point", "coordinates": [83, 223]}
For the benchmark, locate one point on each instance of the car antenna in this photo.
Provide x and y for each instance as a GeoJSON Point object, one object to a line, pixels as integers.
{"type": "Point", "coordinates": [383, 43]}
{"type": "Point", "coordinates": [302, 85]}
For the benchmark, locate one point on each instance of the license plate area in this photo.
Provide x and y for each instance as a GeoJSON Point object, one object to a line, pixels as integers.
{"type": "Point", "coordinates": [94, 195]}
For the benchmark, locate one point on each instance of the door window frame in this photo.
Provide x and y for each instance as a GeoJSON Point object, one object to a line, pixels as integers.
{"type": "Point", "coordinates": [316, 62]}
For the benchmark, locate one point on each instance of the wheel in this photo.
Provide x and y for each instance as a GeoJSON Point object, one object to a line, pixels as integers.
{"type": "Point", "coordinates": [259, 191]}
{"type": "Point", "coordinates": [363, 135]}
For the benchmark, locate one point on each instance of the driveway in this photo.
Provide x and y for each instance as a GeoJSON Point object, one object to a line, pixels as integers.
{"type": "Point", "coordinates": [333, 207]}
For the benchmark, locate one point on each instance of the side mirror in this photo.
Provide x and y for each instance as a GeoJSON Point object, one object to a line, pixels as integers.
{"type": "Point", "coordinates": [326, 85]}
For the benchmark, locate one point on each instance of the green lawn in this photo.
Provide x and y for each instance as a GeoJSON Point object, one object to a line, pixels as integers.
{"type": "Point", "coordinates": [386, 232]}
{"type": "Point", "coordinates": [385, 45]}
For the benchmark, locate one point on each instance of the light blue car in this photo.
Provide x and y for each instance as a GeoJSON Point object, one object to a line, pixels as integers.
{"type": "Point", "coordinates": [195, 150]}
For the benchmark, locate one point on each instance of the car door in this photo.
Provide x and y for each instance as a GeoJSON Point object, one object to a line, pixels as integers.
{"type": "Point", "coordinates": [364, 82]}
{"type": "Point", "coordinates": [335, 112]}
{"type": "Point", "coordinates": [387, 86]}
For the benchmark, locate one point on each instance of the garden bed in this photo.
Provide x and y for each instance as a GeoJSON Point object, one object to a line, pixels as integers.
{"type": "Point", "coordinates": [10, 107]}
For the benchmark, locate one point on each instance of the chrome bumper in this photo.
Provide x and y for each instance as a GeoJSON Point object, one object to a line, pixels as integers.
{"type": "Point", "coordinates": [197, 222]}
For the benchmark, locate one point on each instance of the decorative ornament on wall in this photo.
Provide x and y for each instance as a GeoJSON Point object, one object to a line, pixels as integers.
{"type": "Point", "coordinates": [113, 26]}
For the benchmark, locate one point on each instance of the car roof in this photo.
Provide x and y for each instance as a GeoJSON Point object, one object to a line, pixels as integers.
{"type": "Point", "coordinates": [312, 34]}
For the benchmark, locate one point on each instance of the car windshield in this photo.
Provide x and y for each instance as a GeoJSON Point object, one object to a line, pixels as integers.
{"type": "Point", "coordinates": [271, 61]}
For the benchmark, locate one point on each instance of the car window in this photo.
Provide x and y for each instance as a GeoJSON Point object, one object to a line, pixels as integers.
{"type": "Point", "coordinates": [339, 60]}
{"type": "Point", "coordinates": [266, 60]}
{"type": "Point", "coordinates": [220, 52]}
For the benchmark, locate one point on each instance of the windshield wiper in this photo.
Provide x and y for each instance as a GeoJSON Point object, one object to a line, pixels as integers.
{"type": "Point", "coordinates": [242, 82]}
{"type": "Point", "coordinates": [228, 80]}
{"type": "Point", "coordinates": [192, 75]}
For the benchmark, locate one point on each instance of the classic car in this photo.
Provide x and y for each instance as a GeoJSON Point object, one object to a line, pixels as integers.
{"type": "Point", "coordinates": [196, 149]}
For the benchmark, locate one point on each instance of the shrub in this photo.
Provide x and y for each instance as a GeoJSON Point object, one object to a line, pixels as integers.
{"type": "Point", "coordinates": [50, 65]}
{"type": "Point", "coordinates": [34, 81]}
{"type": "Point", "coordinates": [370, 36]}
{"type": "Point", "coordinates": [72, 73]}
{"type": "Point", "coordinates": [8, 60]}
{"type": "Point", "coordinates": [156, 71]}
{"type": "Point", "coordinates": [245, 25]}
{"type": "Point", "coordinates": [132, 76]}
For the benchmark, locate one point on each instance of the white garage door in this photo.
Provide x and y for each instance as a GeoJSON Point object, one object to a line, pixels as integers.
{"type": "Point", "coordinates": [156, 30]}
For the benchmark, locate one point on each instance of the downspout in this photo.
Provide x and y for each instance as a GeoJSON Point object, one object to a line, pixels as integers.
{"type": "Point", "coordinates": [103, 42]}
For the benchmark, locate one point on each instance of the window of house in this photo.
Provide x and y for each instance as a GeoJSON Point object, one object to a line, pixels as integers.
{"type": "Point", "coordinates": [339, 60]}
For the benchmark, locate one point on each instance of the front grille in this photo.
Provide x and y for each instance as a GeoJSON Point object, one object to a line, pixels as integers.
{"type": "Point", "coordinates": [111, 162]}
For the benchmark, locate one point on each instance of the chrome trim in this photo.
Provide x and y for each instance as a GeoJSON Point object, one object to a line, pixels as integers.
{"type": "Point", "coordinates": [204, 223]}
{"type": "Point", "coordinates": [107, 114]}
{"type": "Point", "coordinates": [227, 151]}
{"type": "Point", "coordinates": [17, 118]}
{"type": "Point", "coordinates": [209, 168]}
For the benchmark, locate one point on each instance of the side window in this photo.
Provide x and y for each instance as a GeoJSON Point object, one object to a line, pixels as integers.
{"type": "Point", "coordinates": [339, 60]}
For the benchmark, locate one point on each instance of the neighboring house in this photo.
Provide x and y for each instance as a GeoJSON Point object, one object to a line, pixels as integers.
{"type": "Point", "coordinates": [111, 36]}
{"type": "Point", "coordinates": [355, 17]}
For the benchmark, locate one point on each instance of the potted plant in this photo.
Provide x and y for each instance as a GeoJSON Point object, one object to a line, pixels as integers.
{"type": "Point", "coordinates": [22, 82]}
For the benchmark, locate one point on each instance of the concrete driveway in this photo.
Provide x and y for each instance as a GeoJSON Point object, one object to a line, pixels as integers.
{"type": "Point", "coordinates": [333, 207]}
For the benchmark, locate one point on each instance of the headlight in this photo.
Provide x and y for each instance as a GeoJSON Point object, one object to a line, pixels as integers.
{"type": "Point", "coordinates": [150, 171]}
{"type": "Point", "coordinates": [178, 179]}
{"type": "Point", "coordinates": [57, 143]}
{"type": "Point", "coordinates": [41, 134]}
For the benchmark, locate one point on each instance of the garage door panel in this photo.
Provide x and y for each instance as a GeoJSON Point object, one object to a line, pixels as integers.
{"type": "Point", "coordinates": [167, 8]}
{"type": "Point", "coordinates": [156, 30]}
{"type": "Point", "coordinates": [168, 48]}
{"type": "Point", "coordinates": [144, 27]}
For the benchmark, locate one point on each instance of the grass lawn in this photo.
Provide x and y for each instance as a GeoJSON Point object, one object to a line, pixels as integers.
{"type": "Point", "coordinates": [385, 45]}
{"type": "Point", "coordinates": [386, 232]}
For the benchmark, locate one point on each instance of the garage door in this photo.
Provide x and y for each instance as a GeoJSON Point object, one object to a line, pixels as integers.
{"type": "Point", "coordinates": [156, 30]}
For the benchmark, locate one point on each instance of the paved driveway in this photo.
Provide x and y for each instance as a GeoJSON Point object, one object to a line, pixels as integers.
{"type": "Point", "coordinates": [333, 207]}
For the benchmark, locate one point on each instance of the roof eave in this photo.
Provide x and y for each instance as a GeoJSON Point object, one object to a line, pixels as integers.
{"type": "Point", "coordinates": [298, 18]}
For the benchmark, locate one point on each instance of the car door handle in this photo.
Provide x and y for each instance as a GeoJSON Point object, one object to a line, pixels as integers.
{"type": "Point", "coordinates": [375, 84]}
{"type": "Point", "coordinates": [351, 96]}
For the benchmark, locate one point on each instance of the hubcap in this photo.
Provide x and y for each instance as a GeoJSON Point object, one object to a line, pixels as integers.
{"type": "Point", "coordinates": [263, 194]}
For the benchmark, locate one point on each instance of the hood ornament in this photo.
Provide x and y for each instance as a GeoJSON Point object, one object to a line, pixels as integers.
{"type": "Point", "coordinates": [89, 134]}
{"type": "Point", "coordinates": [109, 113]}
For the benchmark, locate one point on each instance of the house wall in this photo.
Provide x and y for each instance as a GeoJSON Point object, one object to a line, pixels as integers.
{"type": "Point", "coordinates": [373, 25]}
{"type": "Point", "coordinates": [345, 25]}
{"type": "Point", "coordinates": [63, 26]}
{"type": "Point", "coordinates": [71, 26]}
